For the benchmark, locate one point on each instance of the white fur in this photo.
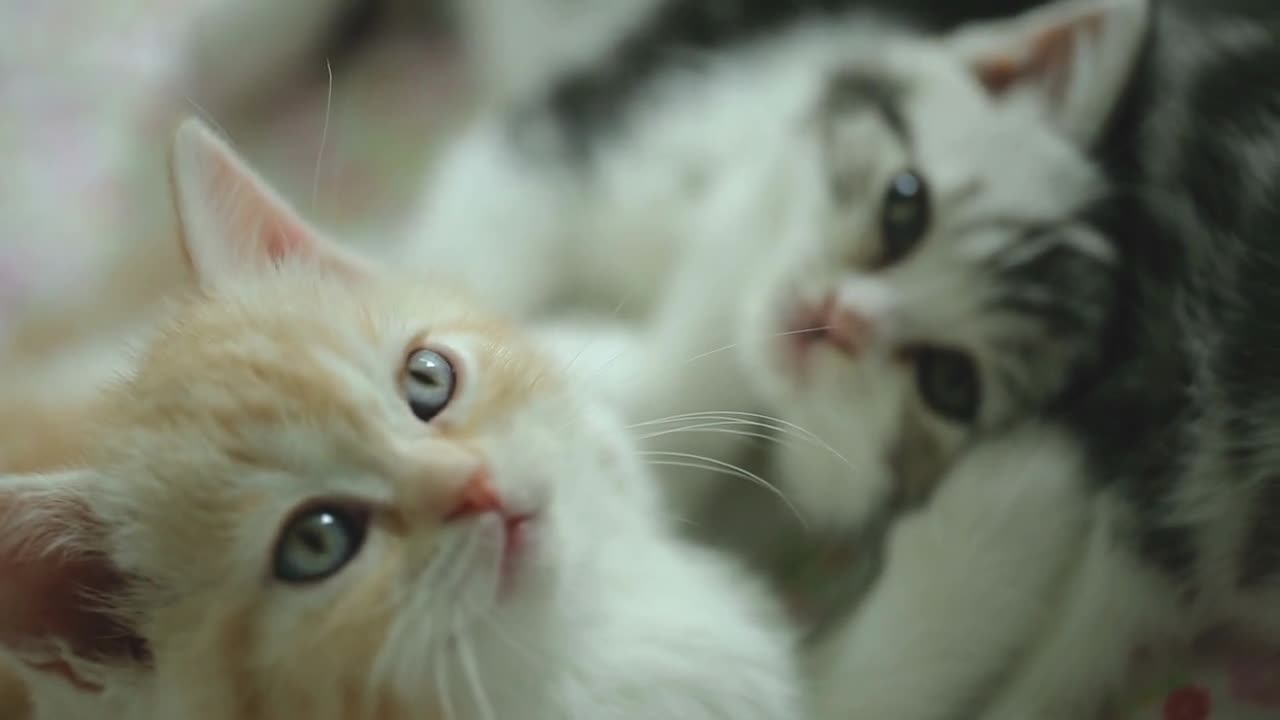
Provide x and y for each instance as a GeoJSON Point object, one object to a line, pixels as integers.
{"type": "Point", "coordinates": [966, 586]}
{"type": "Point", "coordinates": [612, 617]}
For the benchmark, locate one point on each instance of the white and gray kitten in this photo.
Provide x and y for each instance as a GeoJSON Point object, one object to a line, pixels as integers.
{"type": "Point", "coordinates": [616, 183]}
{"type": "Point", "coordinates": [935, 203]}
{"type": "Point", "coordinates": [1139, 506]}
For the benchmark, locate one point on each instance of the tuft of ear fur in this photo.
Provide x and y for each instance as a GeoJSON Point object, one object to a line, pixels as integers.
{"type": "Point", "coordinates": [1074, 58]}
{"type": "Point", "coordinates": [58, 582]}
{"type": "Point", "coordinates": [232, 222]}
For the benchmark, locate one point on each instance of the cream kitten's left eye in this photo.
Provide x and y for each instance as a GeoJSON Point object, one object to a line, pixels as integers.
{"type": "Point", "coordinates": [319, 542]}
{"type": "Point", "coordinates": [429, 383]}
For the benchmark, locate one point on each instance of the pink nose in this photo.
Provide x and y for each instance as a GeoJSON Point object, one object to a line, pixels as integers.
{"type": "Point", "coordinates": [476, 497]}
{"type": "Point", "coordinates": [846, 328]}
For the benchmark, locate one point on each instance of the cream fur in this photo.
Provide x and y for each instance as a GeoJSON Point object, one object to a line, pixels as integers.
{"type": "Point", "coordinates": [277, 384]}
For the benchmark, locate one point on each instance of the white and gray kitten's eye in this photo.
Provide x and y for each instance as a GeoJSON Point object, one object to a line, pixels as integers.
{"type": "Point", "coordinates": [948, 383]}
{"type": "Point", "coordinates": [429, 383]}
{"type": "Point", "coordinates": [319, 541]}
{"type": "Point", "coordinates": [904, 215]}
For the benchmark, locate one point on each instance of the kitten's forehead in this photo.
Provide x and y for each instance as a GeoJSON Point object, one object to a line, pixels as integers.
{"type": "Point", "coordinates": [290, 355]}
{"type": "Point", "coordinates": [933, 110]}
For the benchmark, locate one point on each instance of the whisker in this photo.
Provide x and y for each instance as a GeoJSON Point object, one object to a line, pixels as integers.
{"type": "Point", "coordinates": [206, 116]}
{"type": "Point", "coordinates": [726, 468]}
{"type": "Point", "coordinates": [753, 420]}
{"type": "Point", "coordinates": [324, 135]}
{"type": "Point", "coordinates": [574, 360]}
{"type": "Point", "coordinates": [506, 637]}
{"type": "Point", "coordinates": [443, 686]}
{"type": "Point", "coordinates": [730, 346]}
{"type": "Point", "coordinates": [471, 669]}
{"type": "Point", "coordinates": [717, 427]}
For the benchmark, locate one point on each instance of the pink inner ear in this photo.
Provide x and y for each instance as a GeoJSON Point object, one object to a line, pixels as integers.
{"type": "Point", "coordinates": [257, 216]}
{"type": "Point", "coordinates": [232, 222]}
{"type": "Point", "coordinates": [55, 603]}
{"type": "Point", "coordinates": [1046, 63]}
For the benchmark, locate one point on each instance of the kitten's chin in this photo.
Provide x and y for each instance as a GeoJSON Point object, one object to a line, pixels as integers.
{"type": "Point", "coordinates": [833, 494]}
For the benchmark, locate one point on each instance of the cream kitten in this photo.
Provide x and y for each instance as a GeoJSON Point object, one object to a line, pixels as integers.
{"type": "Point", "coordinates": [330, 492]}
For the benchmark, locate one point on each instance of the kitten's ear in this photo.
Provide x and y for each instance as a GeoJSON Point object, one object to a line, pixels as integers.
{"type": "Point", "coordinates": [58, 583]}
{"type": "Point", "coordinates": [232, 222]}
{"type": "Point", "coordinates": [1073, 57]}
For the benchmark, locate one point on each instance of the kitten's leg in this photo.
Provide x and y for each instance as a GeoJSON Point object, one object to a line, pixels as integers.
{"type": "Point", "coordinates": [967, 581]}
{"type": "Point", "coordinates": [1111, 605]}
{"type": "Point", "coordinates": [497, 220]}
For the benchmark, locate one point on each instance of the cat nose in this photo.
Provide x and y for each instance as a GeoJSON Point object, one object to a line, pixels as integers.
{"type": "Point", "coordinates": [476, 497]}
{"type": "Point", "coordinates": [847, 329]}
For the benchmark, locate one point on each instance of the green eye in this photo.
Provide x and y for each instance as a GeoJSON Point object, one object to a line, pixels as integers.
{"type": "Point", "coordinates": [904, 215]}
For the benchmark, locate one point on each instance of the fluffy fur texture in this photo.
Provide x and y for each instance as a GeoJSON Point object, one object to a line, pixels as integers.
{"type": "Point", "coordinates": [136, 569]}
{"type": "Point", "coordinates": [551, 205]}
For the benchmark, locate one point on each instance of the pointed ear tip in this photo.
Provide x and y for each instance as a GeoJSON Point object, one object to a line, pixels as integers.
{"type": "Point", "coordinates": [193, 140]}
{"type": "Point", "coordinates": [192, 132]}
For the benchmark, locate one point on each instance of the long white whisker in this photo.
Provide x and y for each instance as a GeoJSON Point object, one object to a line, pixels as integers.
{"type": "Point", "coordinates": [727, 468]}
{"type": "Point", "coordinates": [471, 669]}
{"type": "Point", "coordinates": [324, 135]}
{"type": "Point", "coordinates": [501, 632]}
{"type": "Point", "coordinates": [713, 428]}
{"type": "Point", "coordinates": [723, 421]}
{"type": "Point", "coordinates": [751, 419]}
{"type": "Point", "coordinates": [443, 685]}
{"type": "Point", "coordinates": [730, 346]}
{"type": "Point", "coordinates": [782, 439]}
{"type": "Point", "coordinates": [206, 116]}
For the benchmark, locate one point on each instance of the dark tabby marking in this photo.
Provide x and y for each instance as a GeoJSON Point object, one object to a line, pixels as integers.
{"type": "Point", "coordinates": [848, 95]}
{"type": "Point", "coordinates": [853, 90]}
{"type": "Point", "coordinates": [358, 22]}
{"type": "Point", "coordinates": [1261, 560]}
{"type": "Point", "coordinates": [1030, 287]}
{"type": "Point", "coordinates": [1193, 376]}
{"type": "Point", "coordinates": [355, 25]}
{"type": "Point", "coordinates": [595, 99]}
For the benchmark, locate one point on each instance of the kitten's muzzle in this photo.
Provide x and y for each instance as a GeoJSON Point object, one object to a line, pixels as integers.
{"type": "Point", "coordinates": [828, 322]}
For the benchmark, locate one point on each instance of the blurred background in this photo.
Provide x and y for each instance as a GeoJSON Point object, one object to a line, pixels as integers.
{"type": "Point", "coordinates": [337, 102]}
{"type": "Point", "coordinates": [340, 103]}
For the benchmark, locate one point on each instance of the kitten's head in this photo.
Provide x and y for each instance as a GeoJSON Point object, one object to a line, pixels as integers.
{"type": "Point", "coordinates": [932, 276]}
{"type": "Point", "coordinates": [315, 497]}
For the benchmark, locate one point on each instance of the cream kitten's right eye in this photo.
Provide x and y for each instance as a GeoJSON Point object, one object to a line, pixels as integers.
{"type": "Point", "coordinates": [429, 383]}
{"type": "Point", "coordinates": [318, 542]}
